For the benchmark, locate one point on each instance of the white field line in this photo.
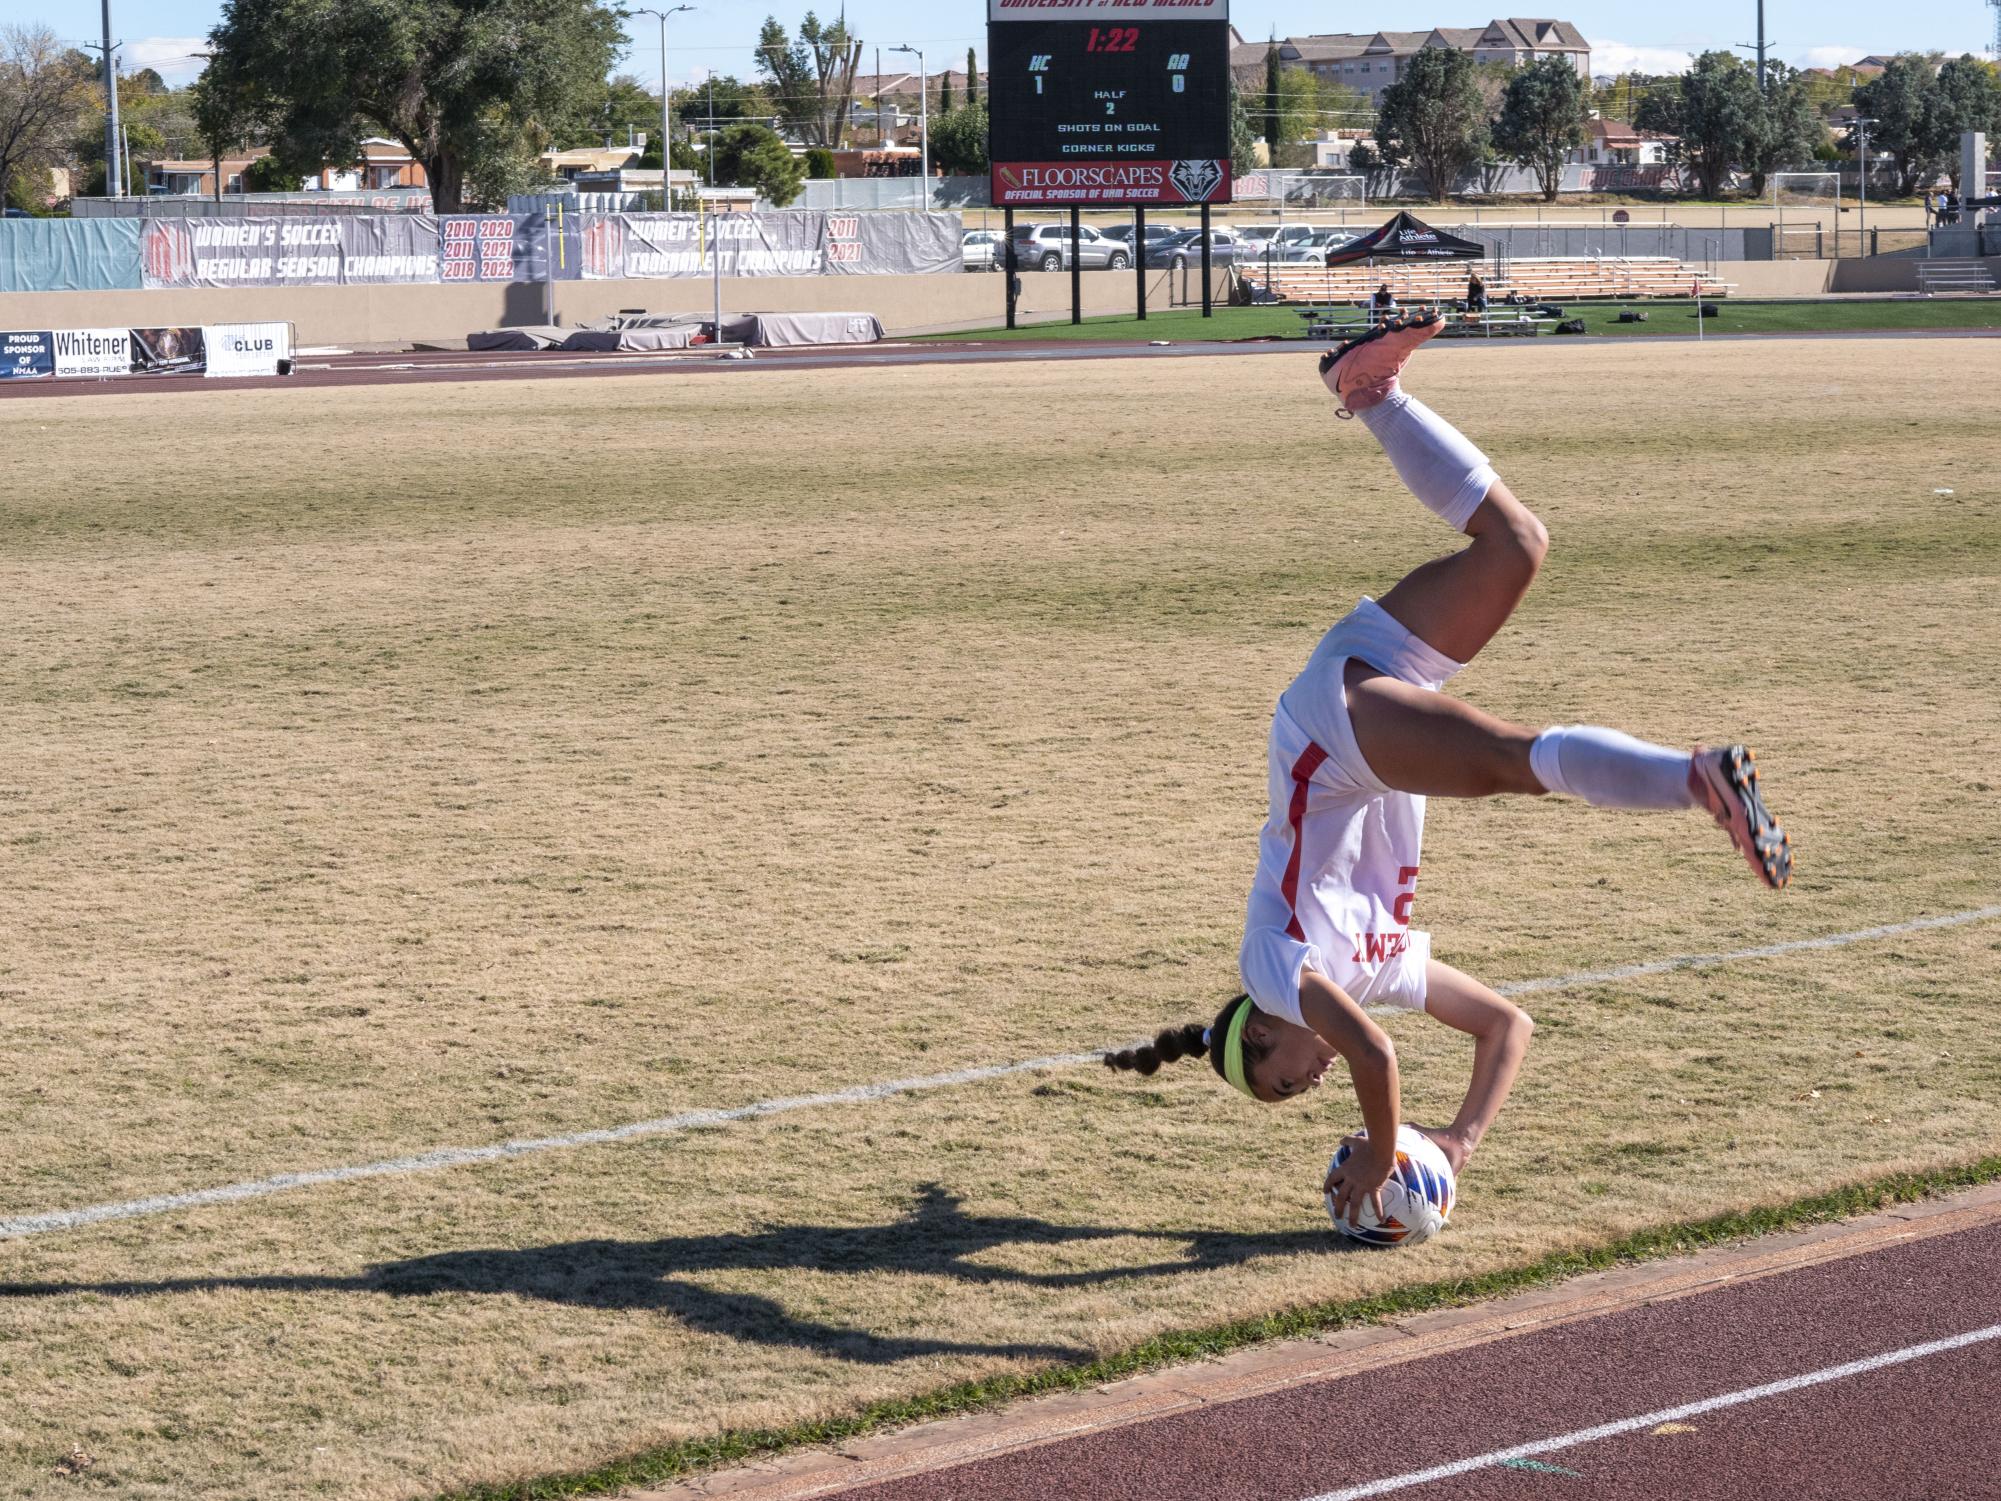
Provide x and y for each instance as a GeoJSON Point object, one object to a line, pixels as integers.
{"type": "Point", "coordinates": [1459, 1467]}
{"type": "Point", "coordinates": [47, 1221]}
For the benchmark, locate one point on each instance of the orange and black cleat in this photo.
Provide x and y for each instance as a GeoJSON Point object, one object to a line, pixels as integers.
{"type": "Point", "coordinates": [1726, 783]}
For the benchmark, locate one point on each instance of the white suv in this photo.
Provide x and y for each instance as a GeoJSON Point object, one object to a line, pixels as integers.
{"type": "Point", "coordinates": [1045, 247]}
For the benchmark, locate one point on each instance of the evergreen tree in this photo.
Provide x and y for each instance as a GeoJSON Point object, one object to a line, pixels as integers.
{"type": "Point", "coordinates": [1542, 117]}
{"type": "Point", "coordinates": [1715, 109]}
{"type": "Point", "coordinates": [1434, 115]}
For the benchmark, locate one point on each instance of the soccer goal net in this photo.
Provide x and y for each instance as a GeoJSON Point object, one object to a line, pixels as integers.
{"type": "Point", "coordinates": [1308, 189]}
{"type": "Point", "coordinates": [1807, 207]}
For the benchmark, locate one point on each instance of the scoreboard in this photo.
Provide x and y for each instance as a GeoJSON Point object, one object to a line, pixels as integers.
{"type": "Point", "coordinates": [1109, 102]}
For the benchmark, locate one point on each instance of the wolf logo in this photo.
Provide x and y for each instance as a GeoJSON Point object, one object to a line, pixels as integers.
{"type": "Point", "coordinates": [1196, 180]}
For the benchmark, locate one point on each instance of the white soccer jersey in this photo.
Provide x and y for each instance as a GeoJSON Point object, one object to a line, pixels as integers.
{"type": "Point", "coordinates": [1338, 858]}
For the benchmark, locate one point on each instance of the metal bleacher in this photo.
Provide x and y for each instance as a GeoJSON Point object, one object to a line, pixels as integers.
{"type": "Point", "coordinates": [1944, 277]}
{"type": "Point", "coordinates": [1534, 279]}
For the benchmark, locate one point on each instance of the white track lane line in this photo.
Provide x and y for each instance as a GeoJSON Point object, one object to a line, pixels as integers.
{"type": "Point", "coordinates": [1414, 1478]}
{"type": "Point", "coordinates": [49, 1221]}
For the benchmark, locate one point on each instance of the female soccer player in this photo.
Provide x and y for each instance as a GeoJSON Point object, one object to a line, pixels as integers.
{"type": "Point", "coordinates": [1358, 742]}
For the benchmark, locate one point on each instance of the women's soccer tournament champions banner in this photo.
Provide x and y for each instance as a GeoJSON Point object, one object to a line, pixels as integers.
{"type": "Point", "coordinates": [421, 249]}
{"type": "Point", "coordinates": [1109, 102]}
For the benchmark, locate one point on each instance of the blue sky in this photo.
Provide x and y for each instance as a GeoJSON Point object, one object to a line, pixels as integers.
{"type": "Point", "coordinates": [719, 33]}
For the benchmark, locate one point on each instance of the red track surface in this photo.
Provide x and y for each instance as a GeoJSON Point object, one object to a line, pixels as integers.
{"type": "Point", "coordinates": [1930, 1427]}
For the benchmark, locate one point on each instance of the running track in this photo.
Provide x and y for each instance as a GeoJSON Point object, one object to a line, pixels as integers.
{"type": "Point", "coordinates": [428, 366]}
{"type": "Point", "coordinates": [1510, 1419]}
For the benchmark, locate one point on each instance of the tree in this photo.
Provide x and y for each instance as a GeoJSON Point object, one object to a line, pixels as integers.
{"type": "Point", "coordinates": [959, 141]}
{"type": "Point", "coordinates": [819, 162]}
{"type": "Point", "coordinates": [1786, 130]}
{"type": "Point", "coordinates": [1542, 120]}
{"type": "Point", "coordinates": [1243, 139]}
{"type": "Point", "coordinates": [265, 175]}
{"type": "Point", "coordinates": [608, 114]}
{"type": "Point", "coordinates": [1900, 101]}
{"type": "Point", "coordinates": [1965, 96]}
{"type": "Point", "coordinates": [944, 93]}
{"type": "Point", "coordinates": [43, 89]}
{"type": "Point", "coordinates": [1714, 109]}
{"type": "Point", "coordinates": [1435, 116]}
{"type": "Point", "coordinates": [753, 156]}
{"type": "Point", "coordinates": [723, 100]}
{"type": "Point", "coordinates": [458, 82]}
{"type": "Point", "coordinates": [972, 76]}
{"type": "Point", "coordinates": [812, 79]}
{"type": "Point", "coordinates": [1268, 116]}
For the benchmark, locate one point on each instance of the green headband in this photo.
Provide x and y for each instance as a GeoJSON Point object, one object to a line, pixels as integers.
{"type": "Point", "coordinates": [1233, 1048]}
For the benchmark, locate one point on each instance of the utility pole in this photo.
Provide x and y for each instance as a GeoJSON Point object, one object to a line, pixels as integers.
{"type": "Point", "coordinates": [113, 177]}
{"type": "Point", "coordinates": [666, 107]}
{"type": "Point", "coordinates": [923, 123]}
{"type": "Point", "coordinates": [1761, 46]}
{"type": "Point", "coordinates": [1862, 124]}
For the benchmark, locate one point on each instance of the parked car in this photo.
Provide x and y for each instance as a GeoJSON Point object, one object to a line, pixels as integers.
{"type": "Point", "coordinates": [1046, 247]}
{"type": "Point", "coordinates": [1313, 250]}
{"type": "Point", "coordinates": [1185, 249]}
{"type": "Point", "coordinates": [10, 212]}
{"type": "Point", "coordinates": [980, 249]}
{"type": "Point", "coordinates": [1123, 233]}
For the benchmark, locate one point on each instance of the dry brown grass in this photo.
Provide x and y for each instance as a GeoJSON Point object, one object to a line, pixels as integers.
{"type": "Point", "coordinates": [523, 758]}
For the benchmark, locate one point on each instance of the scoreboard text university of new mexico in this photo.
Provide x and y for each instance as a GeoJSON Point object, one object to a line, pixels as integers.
{"type": "Point", "coordinates": [1109, 102]}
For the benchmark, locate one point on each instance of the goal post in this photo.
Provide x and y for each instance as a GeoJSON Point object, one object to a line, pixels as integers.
{"type": "Point", "coordinates": [1807, 210]}
{"type": "Point", "coordinates": [1309, 189]}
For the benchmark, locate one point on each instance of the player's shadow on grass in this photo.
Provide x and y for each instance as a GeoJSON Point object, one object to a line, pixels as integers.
{"type": "Point", "coordinates": [936, 1239]}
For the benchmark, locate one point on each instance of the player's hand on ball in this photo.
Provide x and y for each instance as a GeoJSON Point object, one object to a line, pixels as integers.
{"type": "Point", "coordinates": [1359, 1179]}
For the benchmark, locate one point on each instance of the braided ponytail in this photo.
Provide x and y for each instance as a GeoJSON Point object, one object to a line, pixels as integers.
{"type": "Point", "coordinates": [1169, 1044]}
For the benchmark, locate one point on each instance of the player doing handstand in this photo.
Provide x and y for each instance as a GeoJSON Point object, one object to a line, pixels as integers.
{"type": "Point", "coordinates": [1358, 741]}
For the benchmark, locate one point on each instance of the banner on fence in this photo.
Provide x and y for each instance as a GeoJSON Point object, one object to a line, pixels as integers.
{"type": "Point", "coordinates": [784, 243]}
{"type": "Point", "coordinates": [370, 250]}
{"type": "Point", "coordinates": [69, 255]}
{"type": "Point", "coordinates": [227, 349]}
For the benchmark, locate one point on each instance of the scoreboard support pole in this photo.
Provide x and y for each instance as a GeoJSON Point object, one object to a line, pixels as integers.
{"type": "Point", "coordinates": [1207, 308]}
{"type": "Point", "coordinates": [1076, 268]}
{"type": "Point", "coordinates": [1139, 257]}
{"type": "Point", "coordinates": [1009, 265]}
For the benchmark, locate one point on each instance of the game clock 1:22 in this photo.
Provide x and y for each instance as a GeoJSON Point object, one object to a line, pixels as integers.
{"type": "Point", "coordinates": [1092, 95]}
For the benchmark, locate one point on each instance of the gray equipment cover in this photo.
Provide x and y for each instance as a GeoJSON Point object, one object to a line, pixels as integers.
{"type": "Point", "coordinates": [506, 339]}
{"type": "Point", "coordinates": [780, 330]}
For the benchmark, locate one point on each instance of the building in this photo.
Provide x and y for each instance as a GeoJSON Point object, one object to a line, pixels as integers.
{"type": "Point", "coordinates": [1370, 62]}
{"type": "Point", "coordinates": [1614, 143]}
{"type": "Point", "coordinates": [384, 164]}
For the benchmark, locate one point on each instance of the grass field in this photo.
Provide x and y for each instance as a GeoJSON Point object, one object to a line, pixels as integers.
{"type": "Point", "coordinates": [395, 768]}
{"type": "Point", "coordinates": [1736, 316]}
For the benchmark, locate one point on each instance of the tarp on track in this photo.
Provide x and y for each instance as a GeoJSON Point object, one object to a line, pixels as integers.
{"type": "Point", "coordinates": [1406, 238]}
{"type": "Point", "coordinates": [506, 340]}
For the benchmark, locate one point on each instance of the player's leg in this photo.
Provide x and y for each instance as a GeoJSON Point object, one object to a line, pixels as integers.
{"type": "Point", "coordinates": [1434, 745]}
{"type": "Point", "coordinates": [1454, 604]}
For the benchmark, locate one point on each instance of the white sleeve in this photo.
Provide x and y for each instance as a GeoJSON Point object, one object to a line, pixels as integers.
{"type": "Point", "coordinates": [1270, 963]}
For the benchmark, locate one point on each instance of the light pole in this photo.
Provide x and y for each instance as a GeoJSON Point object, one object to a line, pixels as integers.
{"type": "Point", "coordinates": [923, 120]}
{"type": "Point", "coordinates": [1862, 124]}
{"type": "Point", "coordinates": [666, 104]}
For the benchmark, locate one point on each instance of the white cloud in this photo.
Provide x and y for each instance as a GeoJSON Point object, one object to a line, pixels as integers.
{"type": "Point", "coordinates": [169, 56]}
{"type": "Point", "coordinates": [1829, 57]}
{"type": "Point", "coordinates": [1609, 58]}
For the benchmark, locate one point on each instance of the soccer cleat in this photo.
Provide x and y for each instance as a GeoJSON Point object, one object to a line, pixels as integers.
{"type": "Point", "coordinates": [1363, 372]}
{"type": "Point", "coordinates": [1726, 783]}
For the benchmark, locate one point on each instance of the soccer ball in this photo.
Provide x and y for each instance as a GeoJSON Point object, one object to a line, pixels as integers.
{"type": "Point", "coordinates": [1417, 1198]}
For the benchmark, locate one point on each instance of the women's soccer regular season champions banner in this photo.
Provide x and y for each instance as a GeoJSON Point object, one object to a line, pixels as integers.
{"type": "Point", "coordinates": [421, 249]}
{"type": "Point", "coordinates": [223, 350]}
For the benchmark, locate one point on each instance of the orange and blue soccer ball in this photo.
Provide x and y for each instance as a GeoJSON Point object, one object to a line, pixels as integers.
{"type": "Point", "coordinates": [1417, 1199]}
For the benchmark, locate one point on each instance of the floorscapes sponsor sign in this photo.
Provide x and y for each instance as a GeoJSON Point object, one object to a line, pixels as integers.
{"type": "Point", "coordinates": [228, 349]}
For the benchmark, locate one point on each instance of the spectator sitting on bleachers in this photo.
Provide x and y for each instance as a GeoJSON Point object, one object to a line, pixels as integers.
{"type": "Point", "coordinates": [1476, 293]}
{"type": "Point", "coordinates": [1383, 304]}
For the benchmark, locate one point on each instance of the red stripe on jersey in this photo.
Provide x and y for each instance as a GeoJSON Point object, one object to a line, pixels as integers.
{"type": "Point", "coordinates": [1309, 762]}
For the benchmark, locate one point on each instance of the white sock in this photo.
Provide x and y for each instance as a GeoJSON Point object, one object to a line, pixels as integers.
{"type": "Point", "coordinates": [1432, 457]}
{"type": "Point", "coordinates": [1610, 769]}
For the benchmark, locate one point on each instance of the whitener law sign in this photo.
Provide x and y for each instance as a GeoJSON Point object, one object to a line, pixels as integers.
{"type": "Point", "coordinates": [224, 350]}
